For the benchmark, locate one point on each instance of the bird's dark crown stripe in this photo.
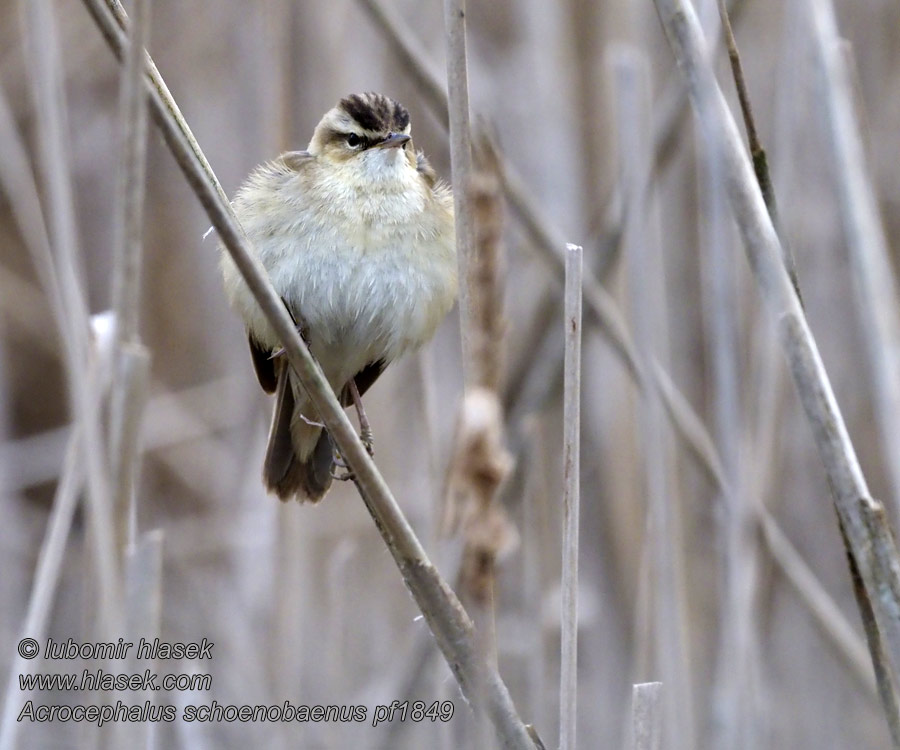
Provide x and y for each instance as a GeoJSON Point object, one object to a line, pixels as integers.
{"type": "Point", "coordinates": [375, 112]}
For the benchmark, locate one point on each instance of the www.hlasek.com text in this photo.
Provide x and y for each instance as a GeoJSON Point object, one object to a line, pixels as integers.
{"type": "Point", "coordinates": [215, 712]}
{"type": "Point", "coordinates": [99, 679]}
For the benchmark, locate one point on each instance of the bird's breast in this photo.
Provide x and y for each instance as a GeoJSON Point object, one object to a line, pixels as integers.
{"type": "Point", "coordinates": [371, 296]}
{"type": "Point", "coordinates": [366, 290]}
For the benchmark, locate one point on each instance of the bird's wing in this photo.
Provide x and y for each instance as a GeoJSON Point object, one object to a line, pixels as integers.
{"type": "Point", "coordinates": [263, 359]}
{"type": "Point", "coordinates": [424, 168]}
{"type": "Point", "coordinates": [295, 159]}
{"type": "Point", "coordinates": [264, 366]}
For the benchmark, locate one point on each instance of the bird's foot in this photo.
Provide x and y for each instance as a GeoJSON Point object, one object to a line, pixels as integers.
{"type": "Point", "coordinates": [368, 441]}
{"type": "Point", "coordinates": [365, 429]}
{"type": "Point", "coordinates": [339, 463]}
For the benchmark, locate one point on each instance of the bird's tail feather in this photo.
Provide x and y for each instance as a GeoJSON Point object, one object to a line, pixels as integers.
{"type": "Point", "coordinates": [299, 455]}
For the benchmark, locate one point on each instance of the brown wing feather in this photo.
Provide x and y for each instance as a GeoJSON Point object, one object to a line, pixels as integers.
{"type": "Point", "coordinates": [264, 366]}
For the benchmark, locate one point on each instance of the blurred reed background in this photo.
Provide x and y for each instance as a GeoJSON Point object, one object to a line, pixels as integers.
{"type": "Point", "coordinates": [692, 563]}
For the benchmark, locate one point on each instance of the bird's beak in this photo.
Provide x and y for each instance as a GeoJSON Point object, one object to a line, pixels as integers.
{"type": "Point", "coordinates": [394, 140]}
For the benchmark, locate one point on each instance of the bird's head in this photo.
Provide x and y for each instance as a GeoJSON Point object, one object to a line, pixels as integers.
{"type": "Point", "coordinates": [368, 133]}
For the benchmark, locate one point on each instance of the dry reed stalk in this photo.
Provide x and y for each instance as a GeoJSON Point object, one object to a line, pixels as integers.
{"type": "Point", "coordinates": [416, 670]}
{"type": "Point", "coordinates": [870, 260]}
{"type": "Point", "coordinates": [334, 655]}
{"type": "Point", "coordinates": [131, 359]}
{"type": "Point", "coordinates": [568, 680]}
{"type": "Point", "coordinates": [737, 718]}
{"type": "Point", "coordinates": [130, 390]}
{"type": "Point", "coordinates": [426, 376]}
{"type": "Point", "coordinates": [293, 549]}
{"type": "Point", "coordinates": [126, 292]}
{"type": "Point", "coordinates": [869, 539]}
{"type": "Point", "coordinates": [144, 562]}
{"type": "Point", "coordinates": [646, 716]}
{"type": "Point", "coordinates": [143, 595]}
{"type": "Point", "coordinates": [534, 527]}
{"type": "Point", "coordinates": [480, 463]}
{"type": "Point", "coordinates": [460, 164]}
{"type": "Point", "coordinates": [413, 680]}
{"type": "Point", "coordinates": [486, 268]}
{"type": "Point", "coordinates": [642, 660]}
{"type": "Point", "coordinates": [446, 618]}
{"type": "Point", "coordinates": [732, 689]}
{"type": "Point", "coordinates": [884, 680]}
{"type": "Point", "coordinates": [478, 466]}
{"type": "Point", "coordinates": [757, 152]}
{"type": "Point", "coordinates": [646, 290]}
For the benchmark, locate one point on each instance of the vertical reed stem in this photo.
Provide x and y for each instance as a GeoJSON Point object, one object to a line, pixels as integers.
{"type": "Point", "coordinates": [568, 681]}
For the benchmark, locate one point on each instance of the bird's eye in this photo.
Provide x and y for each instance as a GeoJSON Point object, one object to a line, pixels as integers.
{"type": "Point", "coordinates": [353, 140]}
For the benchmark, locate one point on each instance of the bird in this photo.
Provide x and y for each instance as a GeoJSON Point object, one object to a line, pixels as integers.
{"type": "Point", "coordinates": [356, 234]}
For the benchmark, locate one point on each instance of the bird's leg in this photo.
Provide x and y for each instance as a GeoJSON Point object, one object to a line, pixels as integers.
{"type": "Point", "coordinates": [366, 435]}
{"type": "Point", "coordinates": [368, 439]}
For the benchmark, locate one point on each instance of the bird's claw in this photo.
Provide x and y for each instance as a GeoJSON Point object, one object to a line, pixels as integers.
{"type": "Point", "coordinates": [347, 476]}
{"type": "Point", "coordinates": [368, 440]}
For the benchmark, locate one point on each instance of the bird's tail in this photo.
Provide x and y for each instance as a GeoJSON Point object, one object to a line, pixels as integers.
{"type": "Point", "coordinates": [299, 456]}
